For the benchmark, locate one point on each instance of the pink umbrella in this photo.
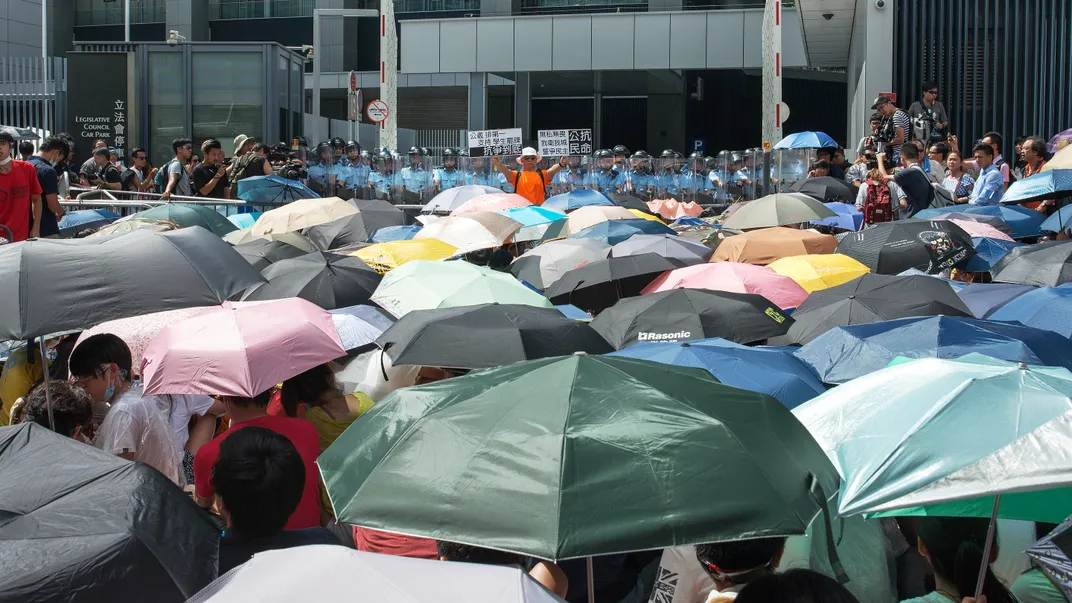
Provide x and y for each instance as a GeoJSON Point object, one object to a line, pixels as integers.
{"type": "Point", "coordinates": [242, 349]}
{"type": "Point", "coordinates": [735, 278]}
{"type": "Point", "coordinates": [138, 331]}
{"type": "Point", "coordinates": [979, 229]}
{"type": "Point", "coordinates": [491, 202]}
{"type": "Point", "coordinates": [672, 209]}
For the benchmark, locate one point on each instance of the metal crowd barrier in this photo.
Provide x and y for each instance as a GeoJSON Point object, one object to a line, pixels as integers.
{"type": "Point", "coordinates": [123, 201]}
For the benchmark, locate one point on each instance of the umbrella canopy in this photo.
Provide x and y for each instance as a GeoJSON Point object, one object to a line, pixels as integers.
{"type": "Point", "coordinates": [356, 228]}
{"type": "Point", "coordinates": [615, 231]}
{"type": "Point", "coordinates": [1052, 184]}
{"type": "Point", "coordinates": [960, 213]}
{"type": "Point", "coordinates": [245, 235]}
{"type": "Point", "coordinates": [769, 244]}
{"type": "Point", "coordinates": [138, 331]}
{"type": "Point", "coordinates": [644, 215]}
{"type": "Point", "coordinates": [978, 230]}
{"type": "Point", "coordinates": [1061, 160]}
{"type": "Point", "coordinates": [947, 433]}
{"type": "Point", "coordinates": [984, 298]}
{"type": "Point", "coordinates": [873, 298]}
{"type": "Point", "coordinates": [243, 220]}
{"type": "Point", "coordinates": [495, 202]}
{"type": "Point", "coordinates": [358, 326]}
{"type": "Point", "coordinates": [262, 253]}
{"type": "Point", "coordinates": [272, 190]}
{"type": "Point", "coordinates": [302, 214]}
{"type": "Point", "coordinates": [768, 371]}
{"type": "Point", "coordinates": [74, 221]}
{"type": "Point", "coordinates": [472, 231]}
{"type": "Point", "coordinates": [383, 257]}
{"type": "Point", "coordinates": [395, 233]}
{"type": "Point", "coordinates": [53, 285]}
{"type": "Point", "coordinates": [80, 524]}
{"type": "Point", "coordinates": [1052, 554]}
{"type": "Point", "coordinates": [424, 285]}
{"type": "Point", "coordinates": [988, 251]}
{"type": "Point", "coordinates": [584, 217]}
{"type": "Point", "coordinates": [1059, 141]}
{"type": "Point", "coordinates": [778, 209]}
{"type": "Point", "coordinates": [928, 245]}
{"type": "Point", "coordinates": [1060, 220]}
{"type": "Point", "coordinates": [1045, 264]}
{"type": "Point", "coordinates": [628, 201]}
{"type": "Point", "coordinates": [507, 333]}
{"type": "Point", "coordinates": [542, 266]}
{"type": "Point", "coordinates": [329, 280]}
{"type": "Point", "coordinates": [672, 209]}
{"type": "Point", "coordinates": [733, 277]}
{"type": "Point", "coordinates": [820, 271]}
{"type": "Point", "coordinates": [845, 353]}
{"type": "Point", "coordinates": [132, 224]}
{"type": "Point", "coordinates": [668, 246]}
{"type": "Point", "coordinates": [20, 133]}
{"type": "Point", "coordinates": [806, 140]}
{"type": "Point", "coordinates": [825, 188]}
{"type": "Point", "coordinates": [601, 283]}
{"type": "Point", "coordinates": [188, 214]}
{"type": "Point", "coordinates": [583, 455]}
{"type": "Point", "coordinates": [1020, 221]}
{"type": "Point", "coordinates": [534, 221]}
{"type": "Point", "coordinates": [1048, 308]}
{"type": "Point", "coordinates": [451, 198]}
{"type": "Point", "coordinates": [572, 200]}
{"type": "Point", "coordinates": [847, 218]}
{"type": "Point", "coordinates": [241, 349]}
{"type": "Point", "coordinates": [691, 314]}
{"type": "Point", "coordinates": [339, 573]}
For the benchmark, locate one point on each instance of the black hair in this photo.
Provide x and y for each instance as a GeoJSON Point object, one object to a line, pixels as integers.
{"type": "Point", "coordinates": [71, 407]}
{"type": "Point", "coordinates": [101, 152]}
{"type": "Point", "coordinates": [984, 148]}
{"type": "Point", "coordinates": [875, 117]}
{"type": "Point", "coordinates": [178, 143]}
{"type": "Point", "coordinates": [452, 551]}
{"type": "Point", "coordinates": [9, 139]}
{"type": "Point", "coordinates": [103, 348]}
{"type": "Point", "coordinates": [137, 150]}
{"type": "Point", "coordinates": [58, 369]}
{"type": "Point", "coordinates": [209, 145]}
{"type": "Point", "coordinates": [795, 586]}
{"type": "Point", "coordinates": [994, 138]}
{"type": "Point", "coordinates": [955, 548]}
{"type": "Point", "coordinates": [825, 150]}
{"type": "Point", "coordinates": [1037, 145]}
{"type": "Point", "coordinates": [26, 148]}
{"type": "Point", "coordinates": [942, 148]}
{"type": "Point", "coordinates": [739, 555]}
{"type": "Point", "coordinates": [822, 164]}
{"type": "Point", "coordinates": [55, 143]}
{"type": "Point", "coordinates": [307, 387]}
{"type": "Point", "coordinates": [260, 477]}
{"type": "Point", "coordinates": [927, 85]}
{"type": "Point", "coordinates": [262, 399]}
{"type": "Point", "coordinates": [909, 150]}
{"type": "Point", "coordinates": [260, 146]}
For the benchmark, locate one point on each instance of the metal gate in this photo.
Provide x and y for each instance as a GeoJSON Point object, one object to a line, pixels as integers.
{"type": "Point", "coordinates": [437, 140]}
{"type": "Point", "coordinates": [32, 93]}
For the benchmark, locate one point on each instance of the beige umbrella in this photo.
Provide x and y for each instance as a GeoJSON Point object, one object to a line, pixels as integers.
{"type": "Point", "coordinates": [1061, 160]}
{"type": "Point", "coordinates": [130, 225]}
{"type": "Point", "coordinates": [584, 217]}
{"type": "Point", "coordinates": [469, 232]}
{"type": "Point", "coordinates": [778, 209]}
{"type": "Point", "coordinates": [302, 214]}
{"type": "Point", "coordinates": [245, 235]}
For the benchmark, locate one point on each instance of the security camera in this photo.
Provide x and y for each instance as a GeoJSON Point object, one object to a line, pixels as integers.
{"type": "Point", "coordinates": [880, 4]}
{"type": "Point", "coordinates": [828, 16]}
{"type": "Point", "coordinates": [307, 50]}
{"type": "Point", "coordinates": [174, 38]}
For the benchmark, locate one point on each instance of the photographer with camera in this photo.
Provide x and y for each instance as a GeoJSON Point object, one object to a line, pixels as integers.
{"type": "Point", "coordinates": [893, 131]}
{"type": "Point", "coordinates": [869, 142]}
{"type": "Point", "coordinates": [929, 119]}
{"type": "Point", "coordinates": [911, 179]}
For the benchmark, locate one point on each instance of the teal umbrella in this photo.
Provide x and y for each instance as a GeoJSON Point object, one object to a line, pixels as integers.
{"type": "Point", "coordinates": [189, 214]}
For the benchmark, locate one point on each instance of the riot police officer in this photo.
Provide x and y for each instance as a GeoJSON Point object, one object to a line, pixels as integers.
{"type": "Point", "coordinates": [322, 170]}
{"type": "Point", "coordinates": [569, 178]}
{"type": "Point", "coordinates": [415, 179]}
{"type": "Point", "coordinates": [621, 158]}
{"type": "Point", "coordinates": [693, 178]}
{"type": "Point", "coordinates": [382, 180]}
{"type": "Point", "coordinates": [605, 177]}
{"type": "Point", "coordinates": [448, 176]}
{"type": "Point", "coordinates": [640, 180]}
{"type": "Point", "coordinates": [338, 146]}
{"type": "Point", "coordinates": [668, 178]}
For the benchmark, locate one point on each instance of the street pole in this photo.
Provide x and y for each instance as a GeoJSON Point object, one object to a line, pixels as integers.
{"type": "Point", "coordinates": [126, 20]}
{"type": "Point", "coordinates": [389, 74]}
{"type": "Point", "coordinates": [326, 12]}
{"type": "Point", "coordinates": [44, 31]}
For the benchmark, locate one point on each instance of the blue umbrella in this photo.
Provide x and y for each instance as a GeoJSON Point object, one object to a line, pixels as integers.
{"type": "Point", "coordinates": [1054, 184]}
{"type": "Point", "coordinates": [984, 298]}
{"type": "Point", "coordinates": [244, 220]}
{"type": "Point", "coordinates": [1048, 308]}
{"type": "Point", "coordinates": [613, 232]}
{"type": "Point", "coordinates": [806, 140]}
{"type": "Point", "coordinates": [956, 285]}
{"type": "Point", "coordinates": [273, 189]}
{"type": "Point", "coordinates": [572, 311]}
{"type": "Point", "coordinates": [74, 221]}
{"type": "Point", "coordinates": [689, 221]}
{"type": "Point", "coordinates": [847, 218]}
{"type": "Point", "coordinates": [1024, 222]}
{"type": "Point", "coordinates": [576, 199]}
{"type": "Point", "coordinates": [1060, 220]}
{"type": "Point", "coordinates": [987, 253]}
{"type": "Point", "coordinates": [764, 370]}
{"type": "Point", "coordinates": [359, 325]}
{"type": "Point", "coordinates": [845, 353]}
{"type": "Point", "coordinates": [395, 233]}
{"type": "Point", "coordinates": [534, 221]}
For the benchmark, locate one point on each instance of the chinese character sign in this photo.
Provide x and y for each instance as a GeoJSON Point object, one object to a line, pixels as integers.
{"type": "Point", "coordinates": [98, 106]}
{"type": "Point", "coordinates": [556, 143]}
{"type": "Point", "coordinates": [488, 143]}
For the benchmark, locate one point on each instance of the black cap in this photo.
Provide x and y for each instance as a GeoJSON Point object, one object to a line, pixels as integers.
{"type": "Point", "coordinates": [882, 100]}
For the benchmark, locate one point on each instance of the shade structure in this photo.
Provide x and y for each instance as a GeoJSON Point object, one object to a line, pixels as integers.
{"type": "Point", "coordinates": [960, 213]}
{"type": "Point", "coordinates": [273, 189]}
{"type": "Point", "coordinates": [425, 285]}
{"type": "Point", "coordinates": [988, 251]}
{"type": "Point", "coordinates": [845, 353]}
{"type": "Point", "coordinates": [1048, 308]}
{"type": "Point", "coordinates": [893, 247]}
{"type": "Point", "coordinates": [241, 349]}
{"type": "Point", "coordinates": [1020, 221]}
{"type": "Point", "coordinates": [356, 228]}
{"type": "Point", "coordinates": [359, 326]}
{"type": "Point", "coordinates": [53, 285]}
{"type": "Point", "coordinates": [542, 266]}
{"type": "Point", "coordinates": [580, 219]}
{"type": "Point", "coordinates": [383, 257]}
{"type": "Point", "coordinates": [189, 214]}
{"type": "Point", "coordinates": [301, 214]}
{"type": "Point", "coordinates": [575, 456]}
{"type": "Point", "coordinates": [684, 314]}
{"type": "Point", "coordinates": [328, 280]}
{"type": "Point", "coordinates": [395, 233]}
{"type": "Point", "coordinates": [284, 575]}
{"type": "Point", "coordinates": [572, 200]}
{"type": "Point", "coordinates": [262, 253]}
{"type": "Point", "coordinates": [1047, 264]}
{"type": "Point", "coordinates": [668, 246]}
{"type": "Point", "coordinates": [1052, 184]}
{"type": "Point", "coordinates": [768, 371]}
{"type": "Point", "coordinates": [245, 235]}
{"type": "Point", "coordinates": [769, 244]}
{"type": "Point", "coordinates": [504, 334]}
{"type": "Point", "coordinates": [806, 140]}
{"type": "Point", "coordinates": [616, 231]}
{"type": "Point", "coordinates": [978, 230]}
{"type": "Point", "coordinates": [81, 524]}
{"type": "Point", "coordinates": [132, 224]}
{"type": "Point", "coordinates": [984, 298]}
{"type": "Point", "coordinates": [451, 198]}
{"type": "Point", "coordinates": [598, 285]}
{"type": "Point", "coordinates": [672, 209]}
{"type": "Point", "coordinates": [138, 331]}
{"type": "Point", "coordinates": [847, 218]}
{"type": "Point", "coordinates": [495, 202]}
{"type": "Point", "coordinates": [81, 219]}
{"type": "Point", "coordinates": [535, 221]}
{"type": "Point", "coordinates": [825, 188]}
{"type": "Point", "coordinates": [947, 433]}
{"type": "Point", "coordinates": [820, 271]}
{"type": "Point", "coordinates": [472, 231]}
{"type": "Point", "coordinates": [733, 277]}
{"type": "Point", "coordinates": [778, 209]}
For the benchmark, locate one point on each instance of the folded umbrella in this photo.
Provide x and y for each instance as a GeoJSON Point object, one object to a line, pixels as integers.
{"type": "Point", "coordinates": [295, 239]}
{"type": "Point", "coordinates": [668, 246]}
{"type": "Point", "coordinates": [819, 271]}
{"type": "Point", "coordinates": [359, 326]}
{"type": "Point", "coordinates": [984, 298]}
{"type": "Point", "coordinates": [495, 202]}
{"type": "Point", "coordinates": [769, 244]}
{"type": "Point", "coordinates": [356, 228]}
{"type": "Point", "coordinates": [806, 140]}
{"type": "Point", "coordinates": [890, 248]}
{"type": "Point", "coordinates": [138, 331]}
{"type": "Point", "coordinates": [733, 277]}
{"type": "Point", "coordinates": [1053, 554]}
{"type": "Point", "coordinates": [262, 253]}
{"type": "Point", "coordinates": [1047, 264]}
{"type": "Point", "coordinates": [997, 220]}
{"type": "Point", "coordinates": [383, 257]}
{"type": "Point", "coordinates": [387, 234]}
{"type": "Point", "coordinates": [472, 231]}
{"type": "Point", "coordinates": [272, 190]}
{"type": "Point", "coordinates": [328, 280]}
{"type": "Point", "coordinates": [615, 231]}
{"type": "Point", "coordinates": [988, 251]}
{"type": "Point", "coordinates": [542, 266]}
{"type": "Point", "coordinates": [1051, 184]}
{"type": "Point", "coordinates": [241, 349]}
{"type": "Point", "coordinates": [81, 219]}
{"type": "Point", "coordinates": [425, 285]}
{"type": "Point", "coordinates": [684, 314]}
{"type": "Point", "coordinates": [534, 221]}
{"type": "Point", "coordinates": [847, 218]}
{"type": "Point", "coordinates": [599, 284]}
{"type": "Point", "coordinates": [778, 209]}
{"type": "Point", "coordinates": [825, 188]}
{"type": "Point", "coordinates": [572, 200]}
{"type": "Point", "coordinates": [189, 214]}
{"type": "Point", "coordinates": [1048, 308]}
{"type": "Point", "coordinates": [451, 198]}
{"type": "Point", "coordinates": [301, 214]}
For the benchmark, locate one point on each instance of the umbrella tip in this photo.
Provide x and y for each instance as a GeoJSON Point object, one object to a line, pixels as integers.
{"type": "Point", "coordinates": [686, 344]}
{"type": "Point", "coordinates": [1022, 366]}
{"type": "Point", "coordinates": [580, 353]}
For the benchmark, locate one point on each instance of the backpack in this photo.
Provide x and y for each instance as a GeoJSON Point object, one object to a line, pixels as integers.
{"type": "Point", "coordinates": [998, 162]}
{"type": "Point", "coordinates": [161, 178]}
{"type": "Point", "coordinates": [238, 172]}
{"type": "Point", "coordinates": [878, 204]}
{"type": "Point", "coordinates": [941, 197]}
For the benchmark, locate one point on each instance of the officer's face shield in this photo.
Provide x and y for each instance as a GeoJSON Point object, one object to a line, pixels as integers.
{"type": "Point", "coordinates": [605, 163]}
{"type": "Point", "coordinates": [450, 162]}
{"type": "Point", "coordinates": [789, 166]}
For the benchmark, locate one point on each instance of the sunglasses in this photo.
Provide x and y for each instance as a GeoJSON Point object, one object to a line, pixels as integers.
{"type": "Point", "coordinates": [932, 92]}
{"type": "Point", "coordinates": [139, 159]}
{"type": "Point", "coordinates": [528, 159]}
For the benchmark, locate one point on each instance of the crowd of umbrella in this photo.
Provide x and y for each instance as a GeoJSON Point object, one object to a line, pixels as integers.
{"type": "Point", "coordinates": [830, 375]}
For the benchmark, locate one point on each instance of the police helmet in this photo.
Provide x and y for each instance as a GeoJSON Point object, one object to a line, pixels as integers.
{"type": "Point", "coordinates": [621, 150]}
{"type": "Point", "coordinates": [425, 151]}
{"type": "Point", "coordinates": [604, 154]}
{"type": "Point", "coordinates": [324, 146]}
{"type": "Point", "coordinates": [696, 155]}
{"type": "Point", "coordinates": [449, 152]}
{"type": "Point", "coordinates": [641, 154]}
{"type": "Point", "coordinates": [668, 154]}
{"type": "Point", "coordinates": [352, 145]}
{"type": "Point", "coordinates": [414, 151]}
{"type": "Point", "coordinates": [338, 143]}
{"type": "Point", "coordinates": [365, 154]}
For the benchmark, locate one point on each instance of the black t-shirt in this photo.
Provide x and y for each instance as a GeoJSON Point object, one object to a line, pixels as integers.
{"type": "Point", "coordinates": [236, 550]}
{"type": "Point", "coordinates": [50, 185]}
{"type": "Point", "coordinates": [110, 174]}
{"type": "Point", "coordinates": [916, 186]}
{"type": "Point", "coordinates": [201, 177]}
{"type": "Point", "coordinates": [255, 167]}
{"type": "Point", "coordinates": [127, 179]}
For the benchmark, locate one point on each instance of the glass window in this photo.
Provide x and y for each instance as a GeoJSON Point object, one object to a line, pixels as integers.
{"type": "Point", "coordinates": [228, 96]}
{"type": "Point", "coordinates": [167, 114]}
{"type": "Point", "coordinates": [297, 104]}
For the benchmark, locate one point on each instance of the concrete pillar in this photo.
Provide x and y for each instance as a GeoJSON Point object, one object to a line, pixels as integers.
{"type": "Point", "coordinates": [597, 109]}
{"type": "Point", "coordinates": [189, 18]}
{"type": "Point", "coordinates": [666, 122]}
{"type": "Point", "coordinates": [869, 71]}
{"type": "Point", "coordinates": [478, 101]}
{"type": "Point", "coordinates": [523, 104]}
{"type": "Point", "coordinates": [332, 38]}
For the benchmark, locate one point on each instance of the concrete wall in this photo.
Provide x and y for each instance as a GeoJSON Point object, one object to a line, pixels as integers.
{"type": "Point", "coordinates": [870, 69]}
{"type": "Point", "coordinates": [20, 28]}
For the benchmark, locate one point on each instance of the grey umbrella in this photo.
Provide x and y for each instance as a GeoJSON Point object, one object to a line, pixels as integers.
{"type": "Point", "coordinates": [669, 246]}
{"type": "Point", "coordinates": [356, 228]}
{"type": "Point", "coordinates": [53, 285]}
{"type": "Point", "coordinates": [328, 280]}
{"type": "Point", "coordinates": [545, 264]}
{"type": "Point", "coordinates": [261, 253]}
{"type": "Point", "coordinates": [778, 209]}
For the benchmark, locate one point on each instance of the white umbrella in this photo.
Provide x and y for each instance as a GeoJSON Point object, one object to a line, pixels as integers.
{"type": "Point", "coordinates": [359, 325]}
{"type": "Point", "coordinates": [451, 198]}
{"type": "Point", "coordinates": [478, 230]}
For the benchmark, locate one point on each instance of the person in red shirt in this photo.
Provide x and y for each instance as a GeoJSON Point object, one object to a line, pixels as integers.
{"type": "Point", "coordinates": [20, 194]}
{"type": "Point", "coordinates": [247, 412]}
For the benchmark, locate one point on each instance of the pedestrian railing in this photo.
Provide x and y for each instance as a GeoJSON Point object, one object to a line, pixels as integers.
{"type": "Point", "coordinates": [122, 202]}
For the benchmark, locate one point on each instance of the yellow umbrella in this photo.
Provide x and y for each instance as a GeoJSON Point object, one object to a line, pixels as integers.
{"type": "Point", "coordinates": [645, 215]}
{"type": "Point", "coordinates": [1062, 160]}
{"type": "Point", "coordinates": [302, 214]}
{"type": "Point", "coordinates": [383, 257]}
{"type": "Point", "coordinates": [821, 271]}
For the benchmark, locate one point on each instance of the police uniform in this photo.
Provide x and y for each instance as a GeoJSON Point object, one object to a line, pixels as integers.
{"type": "Point", "coordinates": [569, 179]}
{"type": "Point", "coordinates": [382, 183]}
{"type": "Point", "coordinates": [668, 183]}
{"type": "Point", "coordinates": [449, 178]}
{"type": "Point", "coordinates": [415, 180]}
{"type": "Point", "coordinates": [608, 181]}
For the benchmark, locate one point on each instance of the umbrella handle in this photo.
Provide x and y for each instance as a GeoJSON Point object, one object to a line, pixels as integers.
{"type": "Point", "coordinates": [817, 493]}
{"type": "Point", "coordinates": [986, 549]}
{"type": "Point", "coordinates": [591, 580]}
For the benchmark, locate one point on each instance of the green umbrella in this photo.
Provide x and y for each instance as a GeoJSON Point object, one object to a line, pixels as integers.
{"type": "Point", "coordinates": [578, 456]}
{"type": "Point", "coordinates": [778, 209]}
{"type": "Point", "coordinates": [189, 214]}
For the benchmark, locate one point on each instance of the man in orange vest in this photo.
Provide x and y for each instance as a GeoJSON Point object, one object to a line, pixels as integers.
{"type": "Point", "coordinates": [530, 181]}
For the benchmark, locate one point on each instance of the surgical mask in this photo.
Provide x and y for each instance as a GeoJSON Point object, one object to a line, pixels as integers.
{"type": "Point", "coordinates": [109, 393]}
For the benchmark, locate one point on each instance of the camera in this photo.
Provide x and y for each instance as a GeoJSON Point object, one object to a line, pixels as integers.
{"type": "Point", "coordinates": [175, 38]}
{"type": "Point", "coordinates": [886, 131]}
{"type": "Point", "coordinates": [880, 4]}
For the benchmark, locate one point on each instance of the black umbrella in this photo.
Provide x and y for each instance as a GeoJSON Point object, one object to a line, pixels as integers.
{"type": "Point", "coordinates": [825, 188]}
{"type": "Point", "coordinates": [891, 248]}
{"type": "Point", "coordinates": [79, 524]}
{"type": "Point", "coordinates": [50, 285]}
{"type": "Point", "coordinates": [505, 334]}
{"type": "Point", "coordinates": [356, 228]}
{"type": "Point", "coordinates": [328, 280]}
{"type": "Point", "coordinates": [261, 253]}
{"type": "Point", "coordinates": [994, 221]}
{"type": "Point", "coordinates": [629, 202]}
{"type": "Point", "coordinates": [691, 314]}
{"type": "Point", "coordinates": [873, 298]}
{"type": "Point", "coordinates": [599, 284]}
{"type": "Point", "coordinates": [1046, 264]}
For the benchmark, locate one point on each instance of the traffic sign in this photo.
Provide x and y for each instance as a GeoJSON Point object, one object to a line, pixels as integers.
{"type": "Point", "coordinates": [353, 82]}
{"type": "Point", "coordinates": [377, 111]}
{"type": "Point", "coordinates": [783, 113]}
{"type": "Point", "coordinates": [766, 145]}
{"type": "Point", "coordinates": [353, 106]}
